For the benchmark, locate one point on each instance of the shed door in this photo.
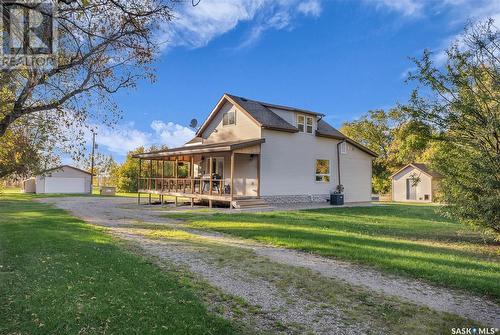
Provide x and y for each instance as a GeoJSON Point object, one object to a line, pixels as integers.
{"type": "Point", "coordinates": [411, 190]}
{"type": "Point", "coordinates": [64, 185]}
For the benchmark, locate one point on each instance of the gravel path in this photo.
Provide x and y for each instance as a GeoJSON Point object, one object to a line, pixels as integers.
{"type": "Point", "coordinates": [120, 213]}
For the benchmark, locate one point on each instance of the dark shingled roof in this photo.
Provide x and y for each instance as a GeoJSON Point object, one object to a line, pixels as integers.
{"type": "Point", "coordinates": [266, 117]}
{"type": "Point", "coordinates": [326, 130]}
{"type": "Point", "coordinates": [426, 169]}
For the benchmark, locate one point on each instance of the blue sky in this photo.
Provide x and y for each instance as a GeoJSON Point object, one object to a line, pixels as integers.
{"type": "Point", "coordinates": [340, 58]}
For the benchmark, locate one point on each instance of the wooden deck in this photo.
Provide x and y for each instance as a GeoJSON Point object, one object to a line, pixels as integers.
{"type": "Point", "coordinates": [190, 188]}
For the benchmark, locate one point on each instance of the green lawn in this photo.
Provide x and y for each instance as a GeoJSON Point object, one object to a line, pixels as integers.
{"type": "Point", "coordinates": [59, 275]}
{"type": "Point", "coordinates": [410, 240]}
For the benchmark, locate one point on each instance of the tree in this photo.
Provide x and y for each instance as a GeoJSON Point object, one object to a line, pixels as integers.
{"type": "Point", "coordinates": [103, 167]}
{"type": "Point", "coordinates": [396, 138]}
{"type": "Point", "coordinates": [461, 99]}
{"type": "Point", "coordinates": [104, 46]}
{"type": "Point", "coordinates": [126, 174]}
{"type": "Point", "coordinates": [26, 149]}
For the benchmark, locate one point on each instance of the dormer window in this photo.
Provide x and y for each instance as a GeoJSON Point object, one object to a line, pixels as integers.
{"type": "Point", "coordinates": [305, 124]}
{"type": "Point", "coordinates": [301, 122]}
{"type": "Point", "coordinates": [309, 125]}
{"type": "Point", "coordinates": [229, 118]}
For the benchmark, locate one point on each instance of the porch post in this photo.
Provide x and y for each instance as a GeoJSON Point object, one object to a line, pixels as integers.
{"type": "Point", "coordinates": [139, 183]}
{"type": "Point", "coordinates": [210, 161]}
{"type": "Point", "coordinates": [176, 168]}
{"type": "Point", "coordinates": [162, 178]}
{"type": "Point", "coordinates": [150, 176]}
{"type": "Point", "coordinates": [258, 176]}
{"type": "Point", "coordinates": [192, 179]}
{"type": "Point", "coordinates": [232, 178]}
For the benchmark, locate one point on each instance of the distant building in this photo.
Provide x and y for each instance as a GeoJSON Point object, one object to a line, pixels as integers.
{"type": "Point", "coordinates": [415, 182]}
{"type": "Point", "coordinates": [61, 179]}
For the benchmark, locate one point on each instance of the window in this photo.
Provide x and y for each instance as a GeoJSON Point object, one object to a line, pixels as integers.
{"type": "Point", "coordinates": [228, 118]}
{"type": "Point", "coordinates": [309, 125]}
{"type": "Point", "coordinates": [343, 148]}
{"type": "Point", "coordinates": [323, 170]}
{"type": "Point", "coordinates": [301, 123]}
{"type": "Point", "coordinates": [305, 124]}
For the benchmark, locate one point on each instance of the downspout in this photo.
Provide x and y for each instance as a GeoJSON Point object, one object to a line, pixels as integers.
{"type": "Point", "coordinates": [338, 160]}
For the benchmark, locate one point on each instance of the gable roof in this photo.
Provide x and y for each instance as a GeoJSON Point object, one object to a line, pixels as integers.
{"type": "Point", "coordinates": [259, 113]}
{"type": "Point", "coordinates": [422, 167]}
{"type": "Point", "coordinates": [60, 167]}
{"type": "Point", "coordinates": [264, 117]}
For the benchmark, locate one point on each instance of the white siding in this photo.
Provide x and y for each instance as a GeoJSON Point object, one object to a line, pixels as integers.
{"type": "Point", "coordinates": [356, 174]}
{"type": "Point", "coordinates": [245, 128]}
{"type": "Point", "coordinates": [399, 185]}
{"type": "Point", "coordinates": [64, 172]}
{"type": "Point", "coordinates": [288, 166]}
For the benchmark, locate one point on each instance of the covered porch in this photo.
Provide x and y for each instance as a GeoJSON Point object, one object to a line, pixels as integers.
{"type": "Point", "coordinates": [213, 172]}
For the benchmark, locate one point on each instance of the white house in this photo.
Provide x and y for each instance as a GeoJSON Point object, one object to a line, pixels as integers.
{"type": "Point", "coordinates": [415, 182]}
{"type": "Point", "coordinates": [251, 149]}
{"type": "Point", "coordinates": [61, 179]}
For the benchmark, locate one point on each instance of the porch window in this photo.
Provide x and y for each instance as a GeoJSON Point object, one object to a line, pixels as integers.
{"type": "Point", "coordinates": [323, 170]}
{"type": "Point", "coordinates": [217, 166]}
{"type": "Point", "coordinates": [301, 123]}
{"type": "Point", "coordinates": [229, 118]}
{"type": "Point", "coordinates": [309, 125]}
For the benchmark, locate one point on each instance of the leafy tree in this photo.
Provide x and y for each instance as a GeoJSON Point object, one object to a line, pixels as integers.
{"type": "Point", "coordinates": [103, 166]}
{"type": "Point", "coordinates": [26, 149]}
{"type": "Point", "coordinates": [396, 138]}
{"type": "Point", "coordinates": [103, 46]}
{"type": "Point", "coordinates": [461, 99]}
{"type": "Point", "coordinates": [126, 173]}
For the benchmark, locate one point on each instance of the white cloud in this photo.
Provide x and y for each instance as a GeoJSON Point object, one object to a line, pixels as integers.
{"type": "Point", "coordinates": [196, 26]}
{"type": "Point", "coordinates": [171, 134]}
{"type": "Point", "coordinates": [124, 138]}
{"type": "Point", "coordinates": [405, 7]}
{"type": "Point", "coordinates": [310, 7]}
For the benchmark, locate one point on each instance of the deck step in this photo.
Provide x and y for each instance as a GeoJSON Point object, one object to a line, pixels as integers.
{"type": "Point", "coordinates": [250, 203]}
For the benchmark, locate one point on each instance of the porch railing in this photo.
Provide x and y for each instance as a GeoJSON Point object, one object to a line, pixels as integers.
{"type": "Point", "coordinates": [186, 185]}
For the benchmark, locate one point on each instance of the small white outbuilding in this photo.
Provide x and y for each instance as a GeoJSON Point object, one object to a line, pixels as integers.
{"type": "Point", "coordinates": [61, 179]}
{"type": "Point", "coordinates": [415, 182]}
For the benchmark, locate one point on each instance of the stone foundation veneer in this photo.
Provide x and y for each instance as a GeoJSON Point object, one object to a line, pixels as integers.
{"type": "Point", "coordinates": [300, 198]}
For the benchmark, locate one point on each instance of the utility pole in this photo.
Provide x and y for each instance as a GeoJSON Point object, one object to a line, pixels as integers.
{"type": "Point", "coordinates": [92, 162]}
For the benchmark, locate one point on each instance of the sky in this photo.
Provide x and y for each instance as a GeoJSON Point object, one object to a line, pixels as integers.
{"type": "Point", "coordinates": [339, 58]}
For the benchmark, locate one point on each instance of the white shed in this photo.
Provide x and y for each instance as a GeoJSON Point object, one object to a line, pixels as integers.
{"type": "Point", "coordinates": [415, 182]}
{"type": "Point", "coordinates": [63, 179]}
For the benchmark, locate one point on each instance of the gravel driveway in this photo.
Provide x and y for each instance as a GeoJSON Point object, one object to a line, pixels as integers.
{"type": "Point", "coordinates": [229, 264]}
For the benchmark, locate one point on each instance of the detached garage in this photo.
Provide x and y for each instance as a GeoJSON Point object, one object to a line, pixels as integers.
{"type": "Point", "coordinates": [61, 179]}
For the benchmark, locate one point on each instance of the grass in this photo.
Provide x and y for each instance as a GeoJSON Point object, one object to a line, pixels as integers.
{"type": "Point", "coordinates": [408, 240]}
{"type": "Point", "coordinates": [358, 307]}
{"type": "Point", "coordinates": [59, 275]}
{"type": "Point", "coordinates": [95, 193]}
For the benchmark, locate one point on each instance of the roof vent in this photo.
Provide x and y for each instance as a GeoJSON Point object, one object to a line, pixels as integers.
{"type": "Point", "coordinates": [243, 99]}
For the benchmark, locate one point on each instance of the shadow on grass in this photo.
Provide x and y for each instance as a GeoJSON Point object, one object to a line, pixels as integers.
{"type": "Point", "coordinates": [417, 243]}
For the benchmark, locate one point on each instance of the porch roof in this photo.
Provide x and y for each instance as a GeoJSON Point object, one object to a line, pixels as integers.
{"type": "Point", "coordinates": [201, 149]}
